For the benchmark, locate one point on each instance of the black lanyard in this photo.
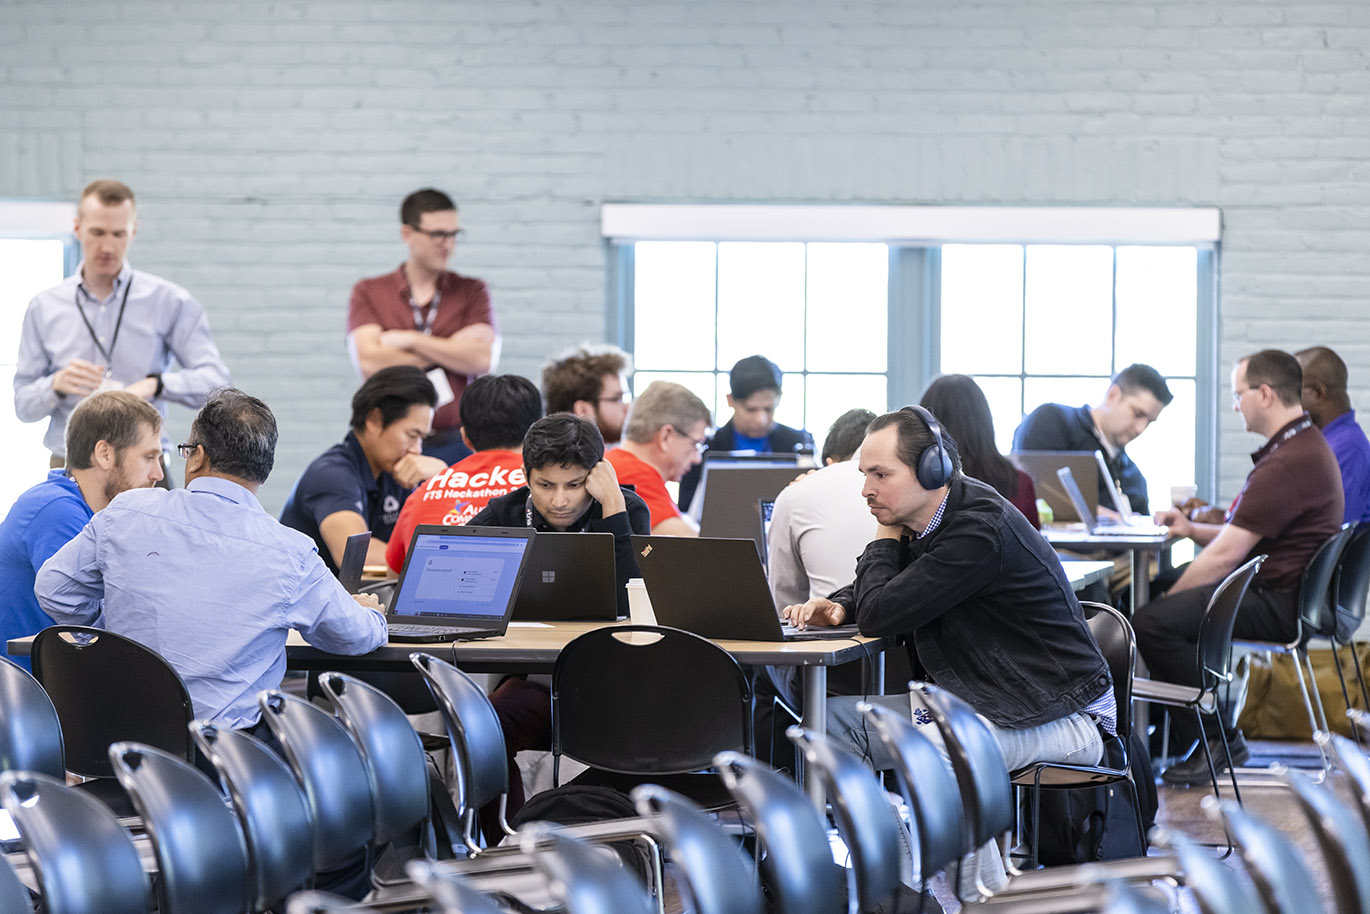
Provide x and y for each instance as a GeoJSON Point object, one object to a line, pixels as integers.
{"type": "Point", "coordinates": [119, 322]}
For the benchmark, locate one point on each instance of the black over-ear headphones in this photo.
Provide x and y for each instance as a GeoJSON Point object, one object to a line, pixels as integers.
{"type": "Point", "coordinates": [934, 467]}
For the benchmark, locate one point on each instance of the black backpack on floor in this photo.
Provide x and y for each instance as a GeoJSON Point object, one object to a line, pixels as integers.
{"type": "Point", "coordinates": [1098, 823]}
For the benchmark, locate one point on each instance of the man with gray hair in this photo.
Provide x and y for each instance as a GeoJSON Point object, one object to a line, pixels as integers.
{"type": "Point", "coordinates": [665, 434]}
{"type": "Point", "coordinates": [113, 444]}
{"type": "Point", "coordinates": [204, 576]}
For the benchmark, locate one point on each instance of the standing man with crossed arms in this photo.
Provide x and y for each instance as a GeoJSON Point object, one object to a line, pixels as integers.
{"type": "Point", "coordinates": [425, 315]}
{"type": "Point", "coordinates": [111, 327]}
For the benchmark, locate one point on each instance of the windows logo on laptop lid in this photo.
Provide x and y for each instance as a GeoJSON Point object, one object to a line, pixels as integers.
{"type": "Point", "coordinates": [458, 583]}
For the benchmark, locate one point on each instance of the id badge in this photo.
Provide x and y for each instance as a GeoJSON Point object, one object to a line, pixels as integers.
{"type": "Point", "coordinates": [441, 385]}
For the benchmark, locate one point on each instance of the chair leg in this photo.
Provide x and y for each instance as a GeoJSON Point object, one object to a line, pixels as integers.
{"type": "Point", "coordinates": [1213, 772]}
{"type": "Point", "coordinates": [1360, 677]}
{"type": "Point", "coordinates": [1341, 680]}
{"type": "Point", "coordinates": [1315, 721]}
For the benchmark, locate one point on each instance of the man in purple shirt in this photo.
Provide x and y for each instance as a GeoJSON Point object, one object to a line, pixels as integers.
{"type": "Point", "coordinates": [1326, 400]}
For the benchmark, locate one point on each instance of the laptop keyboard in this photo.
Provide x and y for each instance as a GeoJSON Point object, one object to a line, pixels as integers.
{"type": "Point", "coordinates": [401, 631]}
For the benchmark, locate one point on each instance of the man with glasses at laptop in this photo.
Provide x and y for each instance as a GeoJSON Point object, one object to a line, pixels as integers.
{"type": "Point", "coordinates": [425, 315]}
{"type": "Point", "coordinates": [982, 601]}
{"type": "Point", "coordinates": [571, 488]}
{"type": "Point", "coordinates": [204, 576]}
{"type": "Point", "coordinates": [1134, 400]}
{"type": "Point", "coordinates": [1290, 504]}
{"type": "Point", "coordinates": [666, 434]}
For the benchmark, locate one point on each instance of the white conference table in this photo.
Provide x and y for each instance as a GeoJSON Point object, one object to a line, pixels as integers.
{"type": "Point", "coordinates": [1139, 547]}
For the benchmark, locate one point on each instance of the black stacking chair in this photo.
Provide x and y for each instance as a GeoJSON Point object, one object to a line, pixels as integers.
{"type": "Point", "coordinates": [450, 890]}
{"type": "Point", "coordinates": [1215, 665]}
{"type": "Point", "coordinates": [796, 864]}
{"type": "Point", "coordinates": [14, 895]}
{"type": "Point", "coordinates": [584, 879]}
{"type": "Point", "coordinates": [1218, 887]}
{"type": "Point", "coordinates": [718, 877]}
{"type": "Point", "coordinates": [324, 903]}
{"type": "Point", "coordinates": [277, 823]}
{"type": "Point", "coordinates": [30, 731]}
{"type": "Point", "coordinates": [1351, 590]}
{"type": "Point", "coordinates": [106, 689]}
{"type": "Point", "coordinates": [83, 861]}
{"type": "Point", "coordinates": [649, 703]}
{"type": "Point", "coordinates": [1280, 873]}
{"type": "Point", "coordinates": [201, 852]}
{"type": "Point", "coordinates": [1342, 841]}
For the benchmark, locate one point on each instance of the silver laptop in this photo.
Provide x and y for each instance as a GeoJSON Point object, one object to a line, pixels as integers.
{"type": "Point", "coordinates": [731, 496]}
{"type": "Point", "coordinates": [1042, 467]}
{"type": "Point", "coordinates": [1097, 527]}
{"type": "Point", "coordinates": [458, 583]}
{"type": "Point", "coordinates": [716, 588]}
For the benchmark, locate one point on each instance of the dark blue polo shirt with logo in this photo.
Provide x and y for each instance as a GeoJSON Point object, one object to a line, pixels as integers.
{"type": "Point", "coordinates": [340, 479]}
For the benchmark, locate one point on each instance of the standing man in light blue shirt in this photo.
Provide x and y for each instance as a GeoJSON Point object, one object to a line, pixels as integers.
{"type": "Point", "coordinates": [204, 576]}
{"type": "Point", "coordinates": [110, 327]}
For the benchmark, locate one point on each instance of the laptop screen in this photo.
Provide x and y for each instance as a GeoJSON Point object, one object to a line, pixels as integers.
{"type": "Point", "coordinates": [1077, 498]}
{"type": "Point", "coordinates": [459, 575]}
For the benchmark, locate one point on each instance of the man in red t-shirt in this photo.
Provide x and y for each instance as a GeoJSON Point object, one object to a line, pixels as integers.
{"type": "Point", "coordinates": [496, 412]}
{"type": "Point", "coordinates": [425, 315]}
{"type": "Point", "coordinates": [666, 432]}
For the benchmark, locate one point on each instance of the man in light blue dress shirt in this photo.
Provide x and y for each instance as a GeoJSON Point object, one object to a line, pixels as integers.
{"type": "Point", "coordinates": [109, 327]}
{"type": "Point", "coordinates": [204, 576]}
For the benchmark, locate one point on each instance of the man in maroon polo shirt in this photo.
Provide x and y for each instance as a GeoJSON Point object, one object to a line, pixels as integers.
{"type": "Point", "coordinates": [427, 316]}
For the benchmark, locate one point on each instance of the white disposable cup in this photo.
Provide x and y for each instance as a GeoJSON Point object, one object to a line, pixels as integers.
{"type": "Point", "coordinates": [639, 604]}
{"type": "Point", "coordinates": [1181, 494]}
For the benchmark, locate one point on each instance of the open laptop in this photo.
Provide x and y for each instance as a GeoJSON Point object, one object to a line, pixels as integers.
{"type": "Point", "coordinates": [1042, 467]}
{"type": "Point", "coordinates": [766, 507]}
{"type": "Point", "coordinates": [458, 583]}
{"type": "Point", "coordinates": [353, 561]}
{"type": "Point", "coordinates": [570, 577]}
{"type": "Point", "coordinates": [741, 459]}
{"type": "Point", "coordinates": [1092, 522]}
{"type": "Point", "coordinates": [731, 494]}
{"type": "Point", "coordinates": [716, 588]}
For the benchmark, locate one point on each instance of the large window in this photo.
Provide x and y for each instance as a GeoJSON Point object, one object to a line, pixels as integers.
{"type": "Point", "coordinates": [818, 310]}
{"type": "Point", "coordinates": [34, 255]}
{"type": "Point", "coordinates": [1038, 305]}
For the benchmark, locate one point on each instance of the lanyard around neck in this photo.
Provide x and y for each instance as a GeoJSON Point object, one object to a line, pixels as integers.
{"type": "Point", "coordinates": [107, 354]}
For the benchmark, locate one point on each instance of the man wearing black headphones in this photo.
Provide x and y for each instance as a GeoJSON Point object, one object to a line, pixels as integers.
{"type": "Point", "coordinates": [981, 600]}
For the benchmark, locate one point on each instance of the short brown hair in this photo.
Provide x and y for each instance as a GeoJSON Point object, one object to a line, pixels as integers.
{"type": "Point", "coordinates": [109, 192]}
{"type": "Point", "coordinates": [1280, 370]}
{"type": "Point", "coordinates": [664, 403]}
{"type": "Point", "coordinates": [115, 416]}
{"type": "Point", "coordinates": [578, 374]}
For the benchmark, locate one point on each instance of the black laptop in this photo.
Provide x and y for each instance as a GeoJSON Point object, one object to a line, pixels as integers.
{"type": "Point", "coordinates": [458, 583]}
{"type": "Point", "coordinates": [716, 588]}
{"type": "Point", "coordinates": [353, 561]}
{"type": "Point", "coordinates": [570, 577]}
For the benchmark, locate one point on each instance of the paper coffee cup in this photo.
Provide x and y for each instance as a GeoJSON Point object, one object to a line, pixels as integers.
{"type": "Point", "coordinates": [1181, 494]}
{"type": "Point", "coordinates": [639, 603]}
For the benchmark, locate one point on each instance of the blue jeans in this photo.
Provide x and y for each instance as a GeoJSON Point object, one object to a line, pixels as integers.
{"type": "Point", "coordinates": [1074, 739]}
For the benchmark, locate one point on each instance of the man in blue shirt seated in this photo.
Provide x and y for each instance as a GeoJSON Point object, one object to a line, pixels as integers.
{"type": "Point", "coordinates": [1134, 400]}
{"type": "Point", "coordinates": [754, 385]}
{"type": "Point", "coordinates": [362, 483]}
{"type": "Point", "coordinates": [204, 576]}
{"type": "Point", "coordinates": [113, 444]}
{"type": "Point", "coordinates": [981, 601]}
{"type": "Point", "coordinates": [1326, 401]}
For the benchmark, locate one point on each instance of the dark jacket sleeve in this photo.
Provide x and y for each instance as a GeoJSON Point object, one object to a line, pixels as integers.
{"type": "Point", "coordinates": [891, 600]}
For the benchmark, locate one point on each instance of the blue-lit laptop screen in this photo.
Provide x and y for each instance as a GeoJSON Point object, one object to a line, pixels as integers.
{"type": "Point", "coordinates": [452, 575]}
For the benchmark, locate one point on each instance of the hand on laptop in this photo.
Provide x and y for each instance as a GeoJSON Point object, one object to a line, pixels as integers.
{"type": "Point", "coordinates": [1176, 520]}
{"type": "Point", "coordinates": [602, 484]}
{"type": "Point", "coordinates": [370, 601]}
{"type": "Point", "coordinates": [818, 611]}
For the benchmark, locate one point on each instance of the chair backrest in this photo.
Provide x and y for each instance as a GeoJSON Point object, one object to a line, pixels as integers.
{"type": "Point", "coordinates": [14, 896]}
{"type": "Point", "coordinates": [583, 879]}
{"type": "Point", "coordinates": [391, 748]}
{"type": "Point", "coordinates": [1215, 630]}
{"type": "Point", "coordinates": [929, 790]}
{"type": "Point", "coordinates": [473, 728]}
{"type": "Point", "coordinates": [720, 880]}
{"type": "Point", "coordinates": [329, 766]}
{"type": "Point", "coordinates": [1218, 887]}
{"type": "Point", "coordinates": [106, 689]}
{"type": "Point", "coordinates": [1341, 838]}
{"type": "Point", "coordinates": [1317, 611]}
{"type": "Point", "coordinates": [275, 816]}
{"type": "Point", "coordinates": [797, 867]}
{"type": "Point", "coordinates": [978, 763]}
{"type": "Point", "coordinates": [450, 890]}
{"type": "Point", "coordinates": [1118, 644]}
{"type": "Point", "coordinates": [313, 902]}
{"type": "Point", "coordinates": [201, 853]}
{"type": "Point", "coordinates": [1275, 866]}
{"type": "Point", "coordinates": [30, 731]}
{"type": "Point", "coordinates": [628, 703]}
{"type": "Point", "coordinates": [1353, 765]}
{"type": "Point", "coordinates": [84, 862]}
{"type": "Point", "coordinates": [1121, 898]}
{"type": "Point", "coordinates": [865, 817]}
{"type": "Point", "coordinates": [1353, 583]}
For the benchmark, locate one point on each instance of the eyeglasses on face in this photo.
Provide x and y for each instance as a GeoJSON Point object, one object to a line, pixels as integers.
{"type": "Point", "coordinates": [701, 444]}
{"type": "Point", "coordinates": [185, 450]}
{"type": "Point", "coordinates": [438, 235]}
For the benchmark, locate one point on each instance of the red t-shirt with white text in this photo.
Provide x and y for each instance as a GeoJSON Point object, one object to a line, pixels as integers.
{"type": "Point", "coordinates": [454, 496]}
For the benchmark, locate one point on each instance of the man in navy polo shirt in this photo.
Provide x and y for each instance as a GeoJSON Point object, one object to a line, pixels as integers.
{"type": "Point", "coordinates": [361, 483]}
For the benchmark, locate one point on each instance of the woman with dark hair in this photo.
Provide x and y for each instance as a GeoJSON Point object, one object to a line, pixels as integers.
{"type": "Point", "coordinates": [960, 405]}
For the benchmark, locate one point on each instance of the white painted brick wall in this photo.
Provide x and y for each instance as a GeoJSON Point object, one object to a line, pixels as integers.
{"type": "Point", "coordinates": [271, 140]}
